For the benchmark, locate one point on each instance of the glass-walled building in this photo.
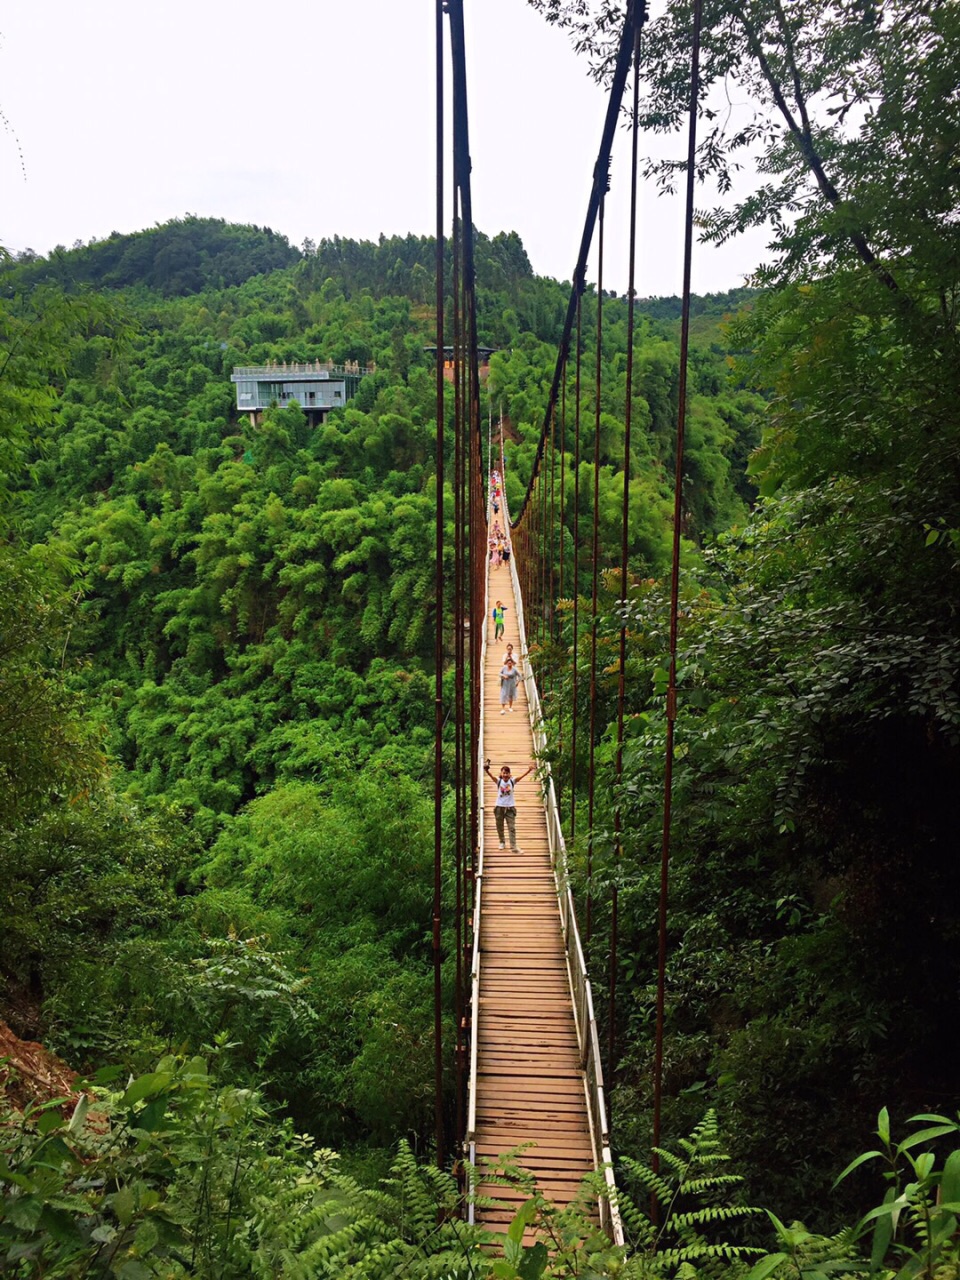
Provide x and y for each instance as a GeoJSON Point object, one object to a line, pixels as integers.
{"type": "Point", "coordinates": [317, 388]}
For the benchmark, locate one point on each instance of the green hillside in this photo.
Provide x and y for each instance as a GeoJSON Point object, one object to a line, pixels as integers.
{"type": "Point", "coordinates": [217, 690]}
{"type": "Point", "coordinates": [244, 621]}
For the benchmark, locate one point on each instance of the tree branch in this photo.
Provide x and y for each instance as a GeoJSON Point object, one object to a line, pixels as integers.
{"type": "Point", "coordinates": [802, 136]}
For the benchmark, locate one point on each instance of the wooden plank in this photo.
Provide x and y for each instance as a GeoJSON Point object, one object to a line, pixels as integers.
{"type": "Point", "coordinates": [560, 1160]}
{"type": "Point", "coordinates": [515, 1065]}
{"type": "Point", "coordinates": [529, 1086]}
{"type": "Point", "coordinates": [505, 1097]}
{"type": "Point", "coordinates": [576, 1150]}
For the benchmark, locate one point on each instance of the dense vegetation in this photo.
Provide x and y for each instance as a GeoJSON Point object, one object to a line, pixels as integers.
{"type": "Point", "coordinates": [177, 258]}
{"type": "Point", "coordinates": [814, 951]}
{"type": "Point", "coordinates": [220, 808]}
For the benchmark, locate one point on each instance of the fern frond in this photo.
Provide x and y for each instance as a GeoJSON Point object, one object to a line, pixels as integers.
{"type": "Point", "coordinates": [637, 1228]}
{"type": "Point", "coordinates": [649, 1180]}
{"type": "Point", "coordinates": [710, 1213]}
{"type": "Point", "coordinates": [695, 1252]}
{"type": "Point", "coordinates": [712, 1182]}
{"type": "Point", "coordinates": [680, 1238]}
{"type": "Point", "coordinates": [415, 1202]}
{"type": "Point", "coordinates": [672, 1160]}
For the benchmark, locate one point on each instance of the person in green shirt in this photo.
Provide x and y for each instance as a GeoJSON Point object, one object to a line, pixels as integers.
{"type": "Point", "coordinates": [498, 619]}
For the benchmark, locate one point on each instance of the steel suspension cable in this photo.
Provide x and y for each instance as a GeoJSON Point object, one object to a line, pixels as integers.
{"type": "Point", "coordinates": [460, 754]}
{"type": "Point", "coordinates": [576, 575]}
{"type": "Point", "coordinates": [595, 555]}
{"type": "Point", "coordinates": [438, 639]}
{"type": "Point", "coordinates": [624, 551]}
{"type": "Point", "coordinates": [634, 16]}
{"type": "Point", "coordinates": [563, 457]}
{"type": "Point", "coordinates": [675, 579]}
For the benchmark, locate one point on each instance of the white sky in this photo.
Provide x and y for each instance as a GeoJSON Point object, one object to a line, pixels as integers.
{"type": "Point", "coordinates": [316, 119]}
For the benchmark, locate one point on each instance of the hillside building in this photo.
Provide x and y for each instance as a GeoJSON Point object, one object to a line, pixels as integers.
{"type": "Point", "coordinates": [317, 388]}
{"type": "Point", "coordinates": [483, 360]}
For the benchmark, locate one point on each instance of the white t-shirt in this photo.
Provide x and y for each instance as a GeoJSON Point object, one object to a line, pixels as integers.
{"type": "Point", "coordinates": [505, 798]}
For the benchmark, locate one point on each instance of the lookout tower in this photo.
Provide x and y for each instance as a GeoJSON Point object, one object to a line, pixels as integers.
{"type": "Point", "coordinates": [317, 388]}
{"type": "Point", "coordinates": [483, 360]}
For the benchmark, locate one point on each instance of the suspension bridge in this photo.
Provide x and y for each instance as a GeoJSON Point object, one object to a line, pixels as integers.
{"type": "Point", "coordinates": [528, 1055]}
{"type": "Point", "coordinates": [535, 1076]}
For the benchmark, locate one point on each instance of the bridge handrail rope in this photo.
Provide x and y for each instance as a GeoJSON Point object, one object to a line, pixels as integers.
{"type": "Point", "coordinates": [588, 1039]}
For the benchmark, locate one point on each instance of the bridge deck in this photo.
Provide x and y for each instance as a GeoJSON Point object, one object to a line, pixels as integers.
{"type": "Point", "coordinates": [530, 1087]}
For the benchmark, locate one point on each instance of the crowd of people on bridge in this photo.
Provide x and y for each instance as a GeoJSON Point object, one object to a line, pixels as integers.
{"type": "Point", "coordinates": [498, 542]}
{"type": "Point", "coordinates": [505, 811]}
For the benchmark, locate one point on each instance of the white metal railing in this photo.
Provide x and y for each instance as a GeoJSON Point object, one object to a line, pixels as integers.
{"type": "Point", "coordinates": [315, 368]}
{"type": "Point", "coordinates": [470, 1138]}
{"type": "Point", "coordinates": [588, 1039]}
{"type": "Point", "coordinates": [582, 996]}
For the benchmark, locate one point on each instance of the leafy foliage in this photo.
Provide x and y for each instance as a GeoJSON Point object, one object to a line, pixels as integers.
{"type": "Point", "coordinates": [177, 258]}
{"type": "Point", "coordinates": [913, 1232]}
{"type": "Point", "coordinates": [181, 1176]}
{"type": "Point", "coordinates": [674, 1233]}
{"type": "Point", "coordinates": [812, 962]}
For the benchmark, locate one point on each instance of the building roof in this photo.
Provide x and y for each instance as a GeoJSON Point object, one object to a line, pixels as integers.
{"type": "Point", "coordinates": [448, 351]}
{"type": "Point", "coordinates": [318, 370]}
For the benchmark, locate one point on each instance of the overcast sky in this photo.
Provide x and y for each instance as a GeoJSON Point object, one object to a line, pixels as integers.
{"type": "Point", "coordinates": [316, 119]}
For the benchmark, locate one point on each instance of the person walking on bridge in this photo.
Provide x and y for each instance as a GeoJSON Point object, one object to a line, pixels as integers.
{"type": "Point", "coordinates": [505, 807]}
{"type": "Point", "coordinates": [510, 677]}
{"type": "Point", "coordinates": [499, 616]}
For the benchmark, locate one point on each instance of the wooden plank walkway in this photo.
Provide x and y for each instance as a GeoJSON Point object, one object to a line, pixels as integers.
{"type": "Point", "coordinates": [530, 1087]}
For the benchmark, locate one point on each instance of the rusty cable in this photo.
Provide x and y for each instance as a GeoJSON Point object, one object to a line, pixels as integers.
{"type": "Point", "coordinates": [675, 581]}
{"type": "Point", "coordinates": [624, 552]}
{"type": "Point", "coordinates": [553, 526]}
{"type": "Point", "coordinates": [634, 12]}
{"type": "Point", "coordinates": [473, 455]}
{"type": "Point", "coordinates": [563, 456]}
{"type": "Point", "coordinates": [459, 522]}
{"type": "Point", "coordinates": [576, 575]}
{"type": "Point", "coordinates": [545, 556]}
{"type": "Point", "coordinates": [438, 639]}
{"type": "Point", "coordinates": [595, 555]}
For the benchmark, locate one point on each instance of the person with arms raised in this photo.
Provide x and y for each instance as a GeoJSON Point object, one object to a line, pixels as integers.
{"type": "Point", "coordinates": [505, 807]}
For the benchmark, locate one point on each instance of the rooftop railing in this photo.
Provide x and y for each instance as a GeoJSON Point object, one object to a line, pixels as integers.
{"type": "Point", "coordinates": [316, 369]}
